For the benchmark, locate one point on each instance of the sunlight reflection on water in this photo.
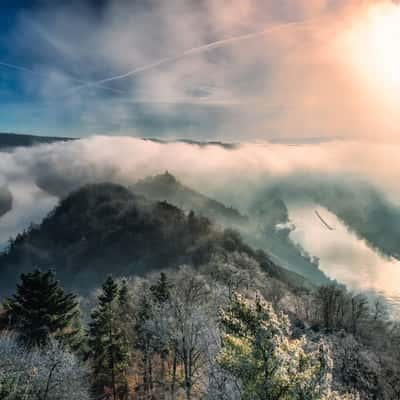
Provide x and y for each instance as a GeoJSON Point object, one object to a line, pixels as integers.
{"type": "Point", "coordinates": [343, 256]}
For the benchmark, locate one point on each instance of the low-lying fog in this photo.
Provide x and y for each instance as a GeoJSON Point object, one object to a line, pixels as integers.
{"type": "Point", "coordinates": [342, 255]}
{"type": "Point", "coordinates": [350, 179]}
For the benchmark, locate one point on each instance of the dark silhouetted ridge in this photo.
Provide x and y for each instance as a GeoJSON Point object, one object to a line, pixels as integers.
{"type": "Point", "coordinates": [105, 228]}
{"type": "Point", "coordinates": [10, 140]}
{"type": "Point", "coordinates": [167, 187]}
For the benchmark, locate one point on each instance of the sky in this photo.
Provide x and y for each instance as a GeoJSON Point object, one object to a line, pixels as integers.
{"type": "Point", "coordinates": [230, 70]}
{"type": "Point", "coordinates": [321, 73]}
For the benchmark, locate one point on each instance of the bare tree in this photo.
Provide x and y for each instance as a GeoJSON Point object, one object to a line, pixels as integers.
{"type": "Point", "coordinates": [43, 374]}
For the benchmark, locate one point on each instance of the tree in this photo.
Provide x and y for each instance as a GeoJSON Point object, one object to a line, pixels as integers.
{"type": "Point", "coordinates": [161, 292]}
{"type": "Point", "coordinates": [41, 310]}
{"type": "Point", "coordinates": [257, 350]}
{"type": "Point", "coordinates": [380, 310]}
{"type": "Point", "coordinates": [161, 289]}
{"type": "Point", "coordinates": [46, 373]}
{"type": "Point", "coordinates": [190, 323]}
{"type": "Point", "coordinates": [144, 340]}
{"type": "Point", "coordinates": [108, 342]}
{"type": "Point", "coordinates": [359, 312]}
{"type": "Point", "coordinates": [332, 303]}
{"type": "Point", "coordinates": [172, 335]}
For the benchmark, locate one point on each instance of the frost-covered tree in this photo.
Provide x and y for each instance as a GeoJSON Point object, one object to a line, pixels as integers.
{"type": "Point", "coordinates": [258, 351]}
{"type": "Point", "coordinates": [174, 322]}
{"type": "Point", "coordinates": [41, 310]}
{"type": "Point", "coordinates": [191, 320]}
{"type": "Point", "coordinates": [235, 271]}
{"type": "Point", "coordinates": [46, 373]}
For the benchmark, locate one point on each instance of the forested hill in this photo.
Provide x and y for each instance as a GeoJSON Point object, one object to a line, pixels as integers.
{"type": "Point", "coordinates": [167, 187]}
{"type": "Point", "coordinates": [11, 140]}
{"type": "Point", "coordinates": [5, 200]}
{"type": "Point", "coordinates": [258, 228]}
{"type": "Point", "coordinates": [104, 228]}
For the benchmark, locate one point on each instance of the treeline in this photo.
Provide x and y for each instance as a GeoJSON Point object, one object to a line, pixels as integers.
{"type": "Point", "coordinates": [105, 224]}
{"type": "Point", "coordinates": [362, 334]}
{"type": "Point", "coordinates": [182, 335]}
{"type": "Point", "coordinates": [226, 330]}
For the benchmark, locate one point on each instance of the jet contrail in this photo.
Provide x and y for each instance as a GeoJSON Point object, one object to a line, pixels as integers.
{"type": "Point", "coordinates": [17, 67]}
{"type": "Point", "coordinates": [31, 71]}
{"type": "Point", "coordinates": [195, 50]}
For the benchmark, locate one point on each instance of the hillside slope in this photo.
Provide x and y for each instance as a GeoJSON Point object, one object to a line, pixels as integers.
{"type": "Point", "coordinates": [104, 228]}
{"type": "Point", "coordinates": [267, 226]}
{"type": "Point", "coordinates": [166, 187]}
{"type": "Point", "coordinates": [5, 201]}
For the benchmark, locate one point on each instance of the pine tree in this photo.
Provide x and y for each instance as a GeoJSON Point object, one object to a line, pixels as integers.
{"type": "Point", "coordinates": [144, 340]}
{"type": "Point", "coordinates": [161, 290]}
{"type": "Point", "coordinates": [123, 295]}
{"type": "Point", "coordinates": [108, 342]}
{"type": "Point", "coordinates": [41, 310]}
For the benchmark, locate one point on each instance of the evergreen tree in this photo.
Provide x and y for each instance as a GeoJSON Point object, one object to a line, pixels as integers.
{"type": "Point", "coordinates": [161, 290]}
{"type": "Point", "coordinates": [108, 342]}
{"type": "Point", "coordinates": [125, 315]}
{"type": "Point", "coordinates": [123, 296]}
{"type": "Point", "coordinates": [41, 310]}
{"type": "Point", "coordinates": [144, 341]}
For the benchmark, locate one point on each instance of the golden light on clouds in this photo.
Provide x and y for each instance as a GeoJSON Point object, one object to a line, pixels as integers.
{"type": "Point", "coordinates": [372, 46]}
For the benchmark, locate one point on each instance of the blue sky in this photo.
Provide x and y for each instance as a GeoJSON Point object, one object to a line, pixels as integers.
{"type": "Point", "coordinates": [30, 54]}
{"type": "Point", "coordinates": [23, 109]}
{"type": "Point", "coordinates": [198, 69]}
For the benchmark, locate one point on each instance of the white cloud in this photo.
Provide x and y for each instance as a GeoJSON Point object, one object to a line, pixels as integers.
{"type": "Point", "coordinates": [296, 81]}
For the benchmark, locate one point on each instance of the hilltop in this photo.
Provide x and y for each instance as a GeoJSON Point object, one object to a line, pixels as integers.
{"type": "Point", "coordinates": [267, 225]}
{"type": "Point", "coordinates": [105, 228]}
{"type": "Point", "coordinates": [167, 187]}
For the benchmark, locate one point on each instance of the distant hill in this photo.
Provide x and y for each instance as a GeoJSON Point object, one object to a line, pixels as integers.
{"type": "Point", "coordinates": [364, 209]}
{"type": "Point", "coordinates": [271, 229]}
{"type": "Point", "coordinates": [166, 187]}
{"type": "Point", "coordinates": [259, 229]}
{"type": "Point", "coordinates": [5, 201]}
{"type": "Point", "coordinates": [11, 140]}
{"type": "Point", "coordinates": [104, 228]}
{"type": "Point", "coordinates": [225, 145]}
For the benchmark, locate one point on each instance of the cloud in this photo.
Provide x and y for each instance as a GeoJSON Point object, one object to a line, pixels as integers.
{"type": "Point", "coordinates": [236, 176]}
{"type": "Point", "coordinates": [199, 69]}
{"type": "Point", "coordinates": [198, 50]}
{"type": "Point", "coordinates": [349, 179]}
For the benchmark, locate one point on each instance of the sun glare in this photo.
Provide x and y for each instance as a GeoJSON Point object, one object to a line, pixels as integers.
{"type": "Point", "coordinates": [373, 47]}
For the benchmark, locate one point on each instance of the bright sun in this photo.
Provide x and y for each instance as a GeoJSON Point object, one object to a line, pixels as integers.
{"type": "Point", "coordinates": [373, 46]}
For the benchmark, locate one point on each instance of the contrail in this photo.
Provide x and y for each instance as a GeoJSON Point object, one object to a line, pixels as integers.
{"type": "Point", "coordinates": [196, 50]}
{"type": "Point", "coordinates": [17, 67]}
{"type": "Point", "coordinates": [31, 71]}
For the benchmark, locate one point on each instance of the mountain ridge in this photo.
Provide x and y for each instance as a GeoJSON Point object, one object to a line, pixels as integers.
{"type": "Point", "coordinates": [12, 140]}
{"type": "Point", "coordinates": [167, 187]}
{"type": "Point", "coordinates": [104, 228]}
{"type": "Point", "coordinates": [258, 227]}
